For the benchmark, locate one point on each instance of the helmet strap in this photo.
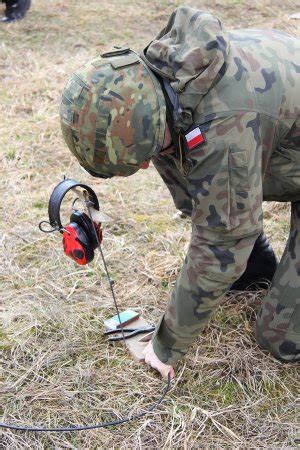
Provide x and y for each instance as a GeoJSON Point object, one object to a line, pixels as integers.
{"type": "Point", "coordinates": [169, 118]}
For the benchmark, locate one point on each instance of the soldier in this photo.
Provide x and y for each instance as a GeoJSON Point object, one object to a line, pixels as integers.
{"type": "Point", "coordinates": [218, 114]}
{"type": "Point", "coordinates": [15, 10]}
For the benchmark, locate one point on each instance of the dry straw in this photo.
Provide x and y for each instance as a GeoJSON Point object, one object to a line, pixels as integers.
{"type": "Point", "coordinates": [56, 366]}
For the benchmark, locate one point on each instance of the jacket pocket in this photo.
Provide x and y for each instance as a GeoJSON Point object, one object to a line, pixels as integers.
{"type": "Point", "coordinates": [222, 189]}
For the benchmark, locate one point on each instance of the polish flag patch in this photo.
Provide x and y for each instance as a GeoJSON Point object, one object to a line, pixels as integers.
{"type": "Point", "coordinates": [194, 138]}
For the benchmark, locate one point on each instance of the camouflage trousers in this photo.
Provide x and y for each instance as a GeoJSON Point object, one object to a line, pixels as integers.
{"type": "Point", "coordinates": [278, 321]}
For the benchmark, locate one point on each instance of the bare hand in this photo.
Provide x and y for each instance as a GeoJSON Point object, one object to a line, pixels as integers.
{"type": "Point", "coordinates": [153, 361]}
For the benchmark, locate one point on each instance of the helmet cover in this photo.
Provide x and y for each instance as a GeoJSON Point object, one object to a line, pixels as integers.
{"type": "Point", "coordinates": [113, 114]}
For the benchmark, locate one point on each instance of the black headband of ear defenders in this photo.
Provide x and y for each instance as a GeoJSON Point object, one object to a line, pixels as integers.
{"type": "Point", "coordinates": [57, 197]}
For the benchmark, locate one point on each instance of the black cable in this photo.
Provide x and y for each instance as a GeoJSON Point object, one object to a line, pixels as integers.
{"type": "Point", "coordinates": [95, 426]}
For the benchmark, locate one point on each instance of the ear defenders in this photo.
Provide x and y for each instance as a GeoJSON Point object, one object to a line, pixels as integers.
{"type": "Point", "coordinates": [82, 236]}
{"type": "Point", "coordinates": [79, 239]}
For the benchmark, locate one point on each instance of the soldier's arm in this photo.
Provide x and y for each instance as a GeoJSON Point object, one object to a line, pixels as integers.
{"type": "Point", "coordinates": [225, 184]}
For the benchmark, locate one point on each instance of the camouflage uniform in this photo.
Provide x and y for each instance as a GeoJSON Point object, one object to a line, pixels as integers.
{"type": "Point", "coordinates": [243, 90]}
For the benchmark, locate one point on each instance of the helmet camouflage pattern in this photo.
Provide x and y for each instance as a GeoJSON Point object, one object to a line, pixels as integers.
{"type": "Point", "coordinates": [113, 114]}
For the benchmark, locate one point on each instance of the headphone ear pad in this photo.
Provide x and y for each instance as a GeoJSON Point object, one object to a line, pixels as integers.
{"type": "Point", "coordinates": [77, 244]}
{"type": "Point", "coordinates": [85, 223]}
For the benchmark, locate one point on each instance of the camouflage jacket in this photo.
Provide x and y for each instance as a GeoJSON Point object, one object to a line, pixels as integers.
{"type": "Point", "coordinates": [242, 89]}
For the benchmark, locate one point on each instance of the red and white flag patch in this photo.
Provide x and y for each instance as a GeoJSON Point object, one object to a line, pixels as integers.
{"type": "Point", "coordinates": [194, 138]}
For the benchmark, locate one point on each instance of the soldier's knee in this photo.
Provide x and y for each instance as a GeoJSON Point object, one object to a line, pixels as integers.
{"type": "Point", "coordinates": [284, 347]}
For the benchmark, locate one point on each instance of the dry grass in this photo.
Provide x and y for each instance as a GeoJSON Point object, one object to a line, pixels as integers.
{"type": "Point", "coordinates": [57, 368]}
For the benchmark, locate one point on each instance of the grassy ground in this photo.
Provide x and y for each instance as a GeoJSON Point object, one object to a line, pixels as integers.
{"type": "Point", "coordinates": [57, 368]}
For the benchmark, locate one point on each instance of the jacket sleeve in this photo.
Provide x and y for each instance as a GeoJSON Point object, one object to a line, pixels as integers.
{"type": "Point", "coordinates": [225, 185]}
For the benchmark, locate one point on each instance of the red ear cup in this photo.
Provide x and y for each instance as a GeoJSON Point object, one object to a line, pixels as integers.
{"type": "Point", "coordinates": [86, 224]}
{"type": "Point", "coordinates": [77, 245]}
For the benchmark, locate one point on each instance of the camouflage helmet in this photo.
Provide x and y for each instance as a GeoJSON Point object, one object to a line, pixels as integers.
{"type": "Point", "coordinates": [113, 114]}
